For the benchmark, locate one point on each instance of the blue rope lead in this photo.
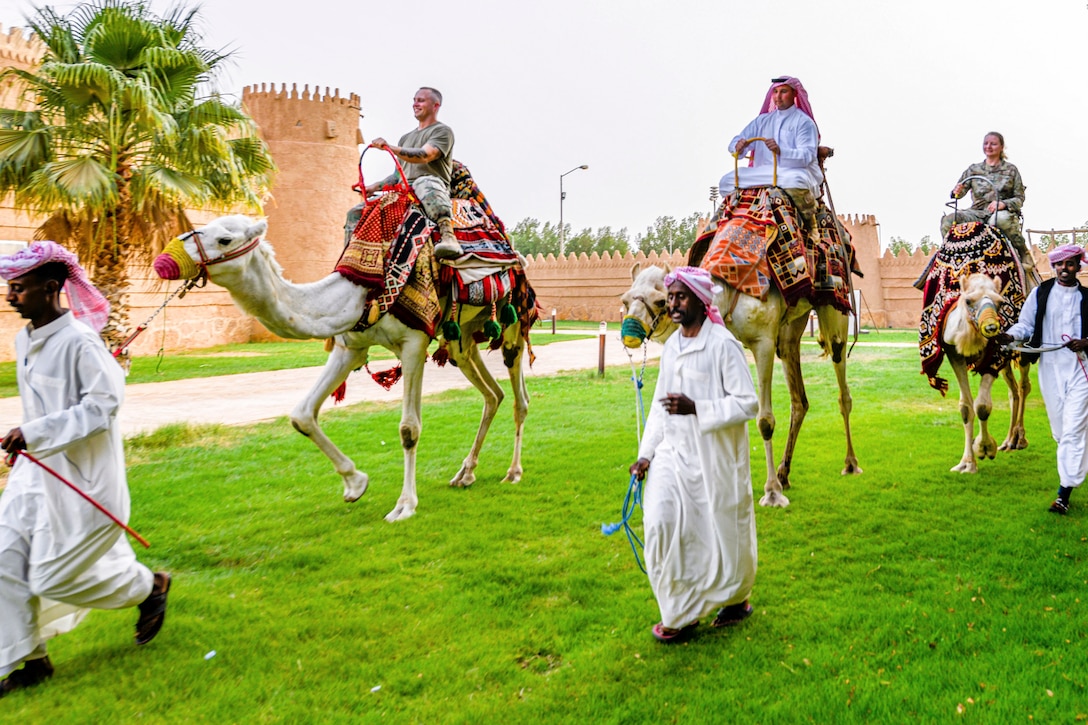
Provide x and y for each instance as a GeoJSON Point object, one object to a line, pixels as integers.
{"type": "Point", "coordinates": [630, 501]}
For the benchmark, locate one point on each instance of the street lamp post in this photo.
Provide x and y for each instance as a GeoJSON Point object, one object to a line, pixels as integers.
{"type": "Point", "coordinates": [562, 196]}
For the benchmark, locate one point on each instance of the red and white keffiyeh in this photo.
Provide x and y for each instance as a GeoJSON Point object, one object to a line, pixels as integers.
{"type": "Point", "coordinates": [88, 304]}
{"type": "Point", "coordinates": [702, 285]}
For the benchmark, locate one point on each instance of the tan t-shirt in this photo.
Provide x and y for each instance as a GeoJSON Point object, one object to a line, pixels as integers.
{"type": "Point", "coordinates": [438, 135]}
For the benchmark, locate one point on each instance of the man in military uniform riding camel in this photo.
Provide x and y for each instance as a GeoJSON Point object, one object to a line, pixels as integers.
{"type": "Point", "coordinates": [427, 155]}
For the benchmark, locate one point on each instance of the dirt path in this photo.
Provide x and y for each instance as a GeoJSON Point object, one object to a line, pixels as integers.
{"type": "Point", "coordinates": [255, 397]}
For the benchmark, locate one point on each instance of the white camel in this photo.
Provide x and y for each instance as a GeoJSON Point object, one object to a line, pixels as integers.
{"type": "Point", "coordinates": [238, 259]}
{"type": "Point", "coordinates": [764, 327]}
{"type": "Point", "coordinates": [967, 329]}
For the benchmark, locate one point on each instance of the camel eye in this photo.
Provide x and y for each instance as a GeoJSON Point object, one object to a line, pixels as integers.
{"type": "Point", "coordinates": [224, 241]}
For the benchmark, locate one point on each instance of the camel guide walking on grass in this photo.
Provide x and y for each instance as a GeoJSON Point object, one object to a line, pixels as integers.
{"type": "Point", "coordinates": [1055, 312]}
{"type": "Point", "coordinates": [59, 556]}
{"type": "Point", "coordinates": [427, 152]}
{"type": "Point", "coordinates": [699, 518]}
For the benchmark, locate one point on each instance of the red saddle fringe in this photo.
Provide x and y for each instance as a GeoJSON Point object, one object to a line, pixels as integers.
{"type": "Point", "coordinates": [338, 394]}
{"type": "Point", "coordinates": [386, 378]}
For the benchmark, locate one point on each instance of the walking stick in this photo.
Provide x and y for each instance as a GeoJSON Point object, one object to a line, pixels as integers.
{"type": "Point", "coordinates": [11, 460]}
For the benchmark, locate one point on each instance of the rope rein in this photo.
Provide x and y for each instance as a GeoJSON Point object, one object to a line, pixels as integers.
{"type": "Point", "coordinates": [179, 293]}
{"type": "Point", "coordinates": [11, 462]}
{"type": "Point", "coordinates": [633, 498]}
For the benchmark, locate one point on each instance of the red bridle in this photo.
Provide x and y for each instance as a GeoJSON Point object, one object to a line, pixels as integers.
{"type": "Point", "coordinates": [233, 254]}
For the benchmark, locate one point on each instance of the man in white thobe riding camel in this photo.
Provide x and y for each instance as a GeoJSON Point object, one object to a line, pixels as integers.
{"type": "Point", "coordinates": [60, 556]}
{"type": "Point", "coordinates": [786, 121]}
{"type": "Point", "coordinates": [1057, 311]}
{"type": "Point", "coordinates": [699, 517]}
{"type": "Point", "coordinates": [427, 155]}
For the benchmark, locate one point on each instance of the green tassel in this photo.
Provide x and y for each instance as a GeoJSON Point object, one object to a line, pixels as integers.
{"type": "Point", "coordinates": [451, 331]}
{"type": "Point", "coordinates": [509, 315]}
{"type": "Point", "coordinates": [492, 329]}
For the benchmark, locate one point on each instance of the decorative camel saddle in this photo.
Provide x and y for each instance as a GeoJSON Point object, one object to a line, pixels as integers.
{"type": "Point", "coordinates": [972, 247]}
{"type": "Point", "coordinates": [754, 240]}
{"type": "Point", "coordinates": [392, 251]}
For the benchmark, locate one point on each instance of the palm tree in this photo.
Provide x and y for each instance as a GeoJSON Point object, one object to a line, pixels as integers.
{"type": "Point", "coordinates": [120, 132]}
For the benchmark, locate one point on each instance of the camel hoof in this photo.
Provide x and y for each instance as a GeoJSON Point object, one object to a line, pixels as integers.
{"type": "Point", "coordinates": [404, 510]}
{"type": "Point", "coordinates": [462, 480]}
{"type": "Point", "coordinates": [852, 469]}
{"type": "Point", "coordinates": [985, 448]}
{"type": "Point", "coordinates": [965, 467]}
{"type": "Point", "coordinates": [774, 499]}
{"type": "Point", "coordinates": [513, 476]}
{"type": "Point", "coordinates": [355, 486]}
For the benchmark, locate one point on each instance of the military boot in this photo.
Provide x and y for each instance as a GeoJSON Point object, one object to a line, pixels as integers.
{"type": "Point", "coordinates": [449, 247]}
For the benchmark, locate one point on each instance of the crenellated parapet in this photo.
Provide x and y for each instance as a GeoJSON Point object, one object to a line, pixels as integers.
{"type": "Point", "coordinates": [304, 116]}
{"type": "Point", "coordinates": [269, 90]}
{"type": "Point", "coordinates": [19, 49]}
{"type": "Point", "coordinates": [313, 135]}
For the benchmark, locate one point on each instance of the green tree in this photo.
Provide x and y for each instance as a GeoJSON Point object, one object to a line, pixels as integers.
{"type": "Point", "coordinates": [529, 236]}
{"type": "Point", "coordinates": [668, 235]}
{"type": "Point", "coordinates": [898, 245]}
{"type": "Point", "coordinates": [601, 241]}
{"type": "Point", "coordinates": [123, 133]}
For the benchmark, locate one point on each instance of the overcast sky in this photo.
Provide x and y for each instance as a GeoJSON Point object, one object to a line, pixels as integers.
{"type": "Point", "coordinates": [648, 94]}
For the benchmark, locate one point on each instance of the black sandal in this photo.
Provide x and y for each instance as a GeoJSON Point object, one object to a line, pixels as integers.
{"type": "Point", "coordinates": [153, 610]}
{"type": "Point", "coordinates": [732, 615]}
{"type": "Point", "coordinates": [32, 672]}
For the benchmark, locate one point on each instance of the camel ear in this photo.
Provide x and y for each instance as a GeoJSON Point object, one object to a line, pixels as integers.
{"type": "Point", "coordinates": [666, 267]}
{"type": "Point", "coordinates": [256, 230]}
{"type": "Point", "coordinates": [635, 269]}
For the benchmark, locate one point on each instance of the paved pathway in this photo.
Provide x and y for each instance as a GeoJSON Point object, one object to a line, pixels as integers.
{"type": "Point", "coordinates": [254, 397]}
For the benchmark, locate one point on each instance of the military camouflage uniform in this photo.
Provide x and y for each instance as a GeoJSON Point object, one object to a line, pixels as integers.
{"type": "Point", "coordinates": [1010, 191]}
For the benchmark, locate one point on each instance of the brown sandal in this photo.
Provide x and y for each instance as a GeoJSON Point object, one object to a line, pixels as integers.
{"type": "Point", "coordinates": [153, 609]}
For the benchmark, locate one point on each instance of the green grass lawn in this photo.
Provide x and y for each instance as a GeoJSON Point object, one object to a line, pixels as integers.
{"type": "Point", "coordinates": [250, 357]}
{"type": "Point", "coordinates": [905, 594]}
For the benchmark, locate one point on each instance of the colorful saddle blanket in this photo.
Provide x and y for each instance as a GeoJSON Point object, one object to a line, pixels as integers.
{"type": "Point", "coordinates": [831, 262]}
{"type": "Point", "coordinates": [481, 233]}
{"type": "Point", "coordinates": [391, 251]}
{"type": "Point", "coordinates": [756, 242]}
{"type": "Point", "coordinates": [970, 248]}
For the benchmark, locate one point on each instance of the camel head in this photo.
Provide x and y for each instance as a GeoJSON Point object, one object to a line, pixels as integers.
{"type": "Point", "coordinates": [980, 297]}
{"type": "Point", "coordinates": [219, 241]}
{"type": "Point", "coordinates": [644, 304]}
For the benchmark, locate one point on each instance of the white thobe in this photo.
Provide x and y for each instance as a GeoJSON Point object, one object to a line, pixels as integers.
{"type": "Point", "coordinates": [58, 554]}
{"type": "Point", "coordinates": [797, 139]}
{"type": "Point", "coordinates": [1063, 379]}
{"type": "Point", "coordinates": [699, 517]}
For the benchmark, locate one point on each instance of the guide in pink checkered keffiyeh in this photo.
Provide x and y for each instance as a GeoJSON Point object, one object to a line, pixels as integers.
{"type": "Point", "coordinates": [87, 303]}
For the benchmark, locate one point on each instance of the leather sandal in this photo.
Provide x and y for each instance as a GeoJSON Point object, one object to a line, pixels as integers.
{"type": "Point", "coordinates": [153, 609]}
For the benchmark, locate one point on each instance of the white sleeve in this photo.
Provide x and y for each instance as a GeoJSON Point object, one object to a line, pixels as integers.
{"type": "Point", "coordinates": [1025, 326]}
{"type": "Point", "coordinates": [740, 403]}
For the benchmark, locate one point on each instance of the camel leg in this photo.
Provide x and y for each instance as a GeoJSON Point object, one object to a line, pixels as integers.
{"type": "Point", "coordinates": [835, 328]}
{"type": "Point", "coordinates": [413, 356]}
{"type": "Point", "coordinates": [466, 355]}
{"type": "Point", "coordinates": [1018, 395]}
{"type": "Point", "coordinates": [984, 445]}
{"type": "Point", "coordinates": [763, 351]}
{"type": "Point", "coordinates": [342, 360]}
{"type": "Point", "coordinates": [789, 350]}
{"type": "Point", "coordinates": [513, 357]}
{"type": "Point", "coordinates": [967, 462]}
